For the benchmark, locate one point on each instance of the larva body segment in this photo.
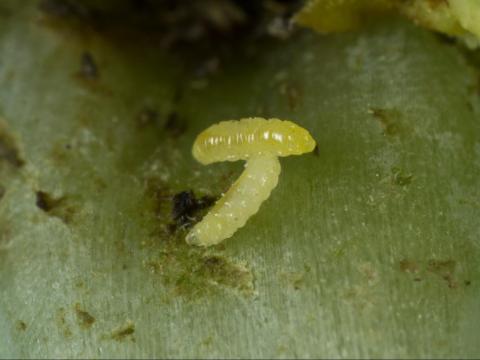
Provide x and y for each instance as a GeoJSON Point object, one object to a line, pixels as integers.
{"type": "Point", "coordinates": [240, 140]}
{"type": "Point", "coordinates": [260, 142]}
{"type": "Point", "coordinates": [241, 201]}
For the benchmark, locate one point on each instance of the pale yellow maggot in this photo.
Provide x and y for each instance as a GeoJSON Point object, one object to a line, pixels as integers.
{"type": "Point", "coordinates": [258, 141]}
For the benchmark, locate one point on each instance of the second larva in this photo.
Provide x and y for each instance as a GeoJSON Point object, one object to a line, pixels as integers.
{"type": "Point", "coordinates": [258, 141]}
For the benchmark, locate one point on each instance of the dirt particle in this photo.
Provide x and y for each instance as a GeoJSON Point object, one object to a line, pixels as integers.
{"type": "Point", "coordinates": [8, 147]}
{"type": "Point", "coordinates": [123, 332]}
{"type": "Point", "coordinates": [389, 120]}
{"type": "Point", "coordinates": [400, 178]}
{"type": "Point", "coordinates": [88, 75]}
{"type": "Point", "coordinates": [207, 342]}
{"type": "Point", "coordinates": [88, 67]}
{"type": "Point", "coordinates": [295, 279]}
{"type": "Point", "coordinates": [217, 270]}
{"type": "Point", "coordinates": [191, 274]}
{"type": "Point", "coordinates": [84, 319]}
{"type": "Point", "coordinates": [57, 207]}
{"type": "Point", "coordinates": [186, 207]}
{"type": "Point", "coordinates": [147, 117]}
{"type": "Point", "coordinates": [21, 325]}
{"type": "Point", "coordinates": [159, 192]}
{"type": "Point", "coordinates": [444, 269]}
{"type": "Point", "coordinates": [175, 125]}
{"type": "Point", "coordinates": [45, 201]}
{"type": "Point", "coordinates": [408, 266]}
{"type": "Point", "coordinates": [2, 191]}
{"type": "Point", "coordinates": [62, 323]}
{"type": "Point", "coordinates": [441, 266]}
{"type": "Point", "coordinates": [293, 94]}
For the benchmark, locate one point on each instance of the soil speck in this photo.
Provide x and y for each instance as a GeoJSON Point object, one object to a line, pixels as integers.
{"type": "Point", "coordinates": [8, 147]}
{"type": "Point", "coordinates": [88, 67]}
{"type": "Point", "coordinates": [84, 319]}
{"type": "Point", "coordinates": [123, 332]}
{"type": "Point", "coordinates": [21, 325]}
{"type": "Point", "coordinates": [57, 207]}
{"type": "Point", "coordinates": [186, 206]}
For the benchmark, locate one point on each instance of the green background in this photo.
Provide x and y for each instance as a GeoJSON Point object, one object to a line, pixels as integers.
{"type": "Point", "coordinates": [369, 248]}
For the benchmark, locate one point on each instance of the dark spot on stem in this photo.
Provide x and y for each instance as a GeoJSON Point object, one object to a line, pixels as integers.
{"type": "Point", "coordinates": [408, 266]}
{"type": "Point", "coordinates": [444, 269]}
{"type": "Point", "coordinates": [186, 206]}
{"type": "Point", "coordinates": [21, 325]}
{"type": "Point", "coordinates": [175, 125]}
{"type": "Point", "coordinates": [57, 207]}
{"type": "Point", "coordinates": [85, 320]}
{"type": "Point", "coordinates": [2, 191]}
{"type": "Point", "coordinates": [88, 75]}
{"type": "Point", "coordinates": [147, 117]}
{"type": "Point", "coordinates": [400, 178]}
{"type": "Point", "coordinates": [121, 333]}
{"type": "Point", "coordinates": [62, 323]}
{"type": "Point", "coordinates": [88, 67]}
{"type": "Point", "coordinates": [293, 94]}
{"type": "Point", "coordinates": [46, 202]}
{"type": "Point", "coordinates": [389, 120]}
{"type": "Point", "coordinates": [8, 148]}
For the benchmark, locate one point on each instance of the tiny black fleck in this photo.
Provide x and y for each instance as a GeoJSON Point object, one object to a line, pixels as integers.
{"type": "Point", "coordinates": [88, 67]}
{"type": "Point", "coordinates": [186, 205]}
{"type": "Point", "coordinates": [45, 201]}
{"type": "Point", "coordinates": [175, 125]}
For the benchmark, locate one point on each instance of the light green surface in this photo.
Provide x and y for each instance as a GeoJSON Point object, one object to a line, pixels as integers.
{"type": "Point", "coordinates": [369, 249]}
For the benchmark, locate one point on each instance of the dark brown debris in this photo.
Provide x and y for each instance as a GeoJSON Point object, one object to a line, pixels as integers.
{"type": "Point", "coordinates": [46, 202]}
{"type": "Point", "coordinates": [123, 332]}
{"type": "Point", "coordinates": [175, 124]}
{"type": "Point", "coordinates": [88, 67]}
{"type": "Point", "coordinates": [57, 207]}
{"type": "Point", "coordinates": [85, 319]}
{"type": "Point", "coordinates": [8, 149]}
{"type": "Point", "coordinates": [186, 206]}
{"type": "Point", "coordinates": [21, 325]}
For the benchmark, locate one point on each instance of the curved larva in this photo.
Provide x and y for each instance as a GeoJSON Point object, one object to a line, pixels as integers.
{"type": "Point", "coordinates": [241, 201]}
{"type": "Point", "coordinates": [260, 142]}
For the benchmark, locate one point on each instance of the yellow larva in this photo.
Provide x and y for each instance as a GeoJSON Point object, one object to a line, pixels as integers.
{"type": "Point", "coordinates": [260, 142]}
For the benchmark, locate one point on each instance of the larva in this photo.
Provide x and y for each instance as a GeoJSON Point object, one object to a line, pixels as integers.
{"type": "Point", "coordinates": [260, 142]}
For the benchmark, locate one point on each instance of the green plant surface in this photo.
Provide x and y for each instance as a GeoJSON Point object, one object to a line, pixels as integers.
{"type": "Point", "coordinates": [367, 248]}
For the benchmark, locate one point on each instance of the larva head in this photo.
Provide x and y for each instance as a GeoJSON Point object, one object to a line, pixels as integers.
{"type": "Point", "coordinates": [251, 137]}
{"type": "Point", "coordinates": [292, 139]}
